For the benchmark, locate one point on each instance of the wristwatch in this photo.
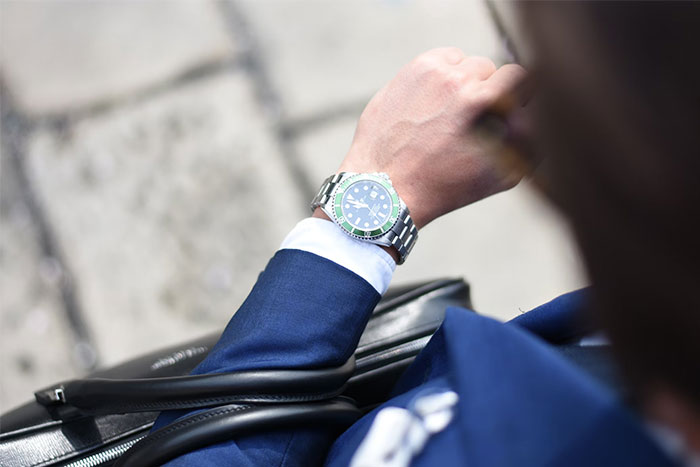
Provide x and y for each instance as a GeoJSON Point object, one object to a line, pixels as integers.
{"type": "Point", "coordinates": [367, 207]}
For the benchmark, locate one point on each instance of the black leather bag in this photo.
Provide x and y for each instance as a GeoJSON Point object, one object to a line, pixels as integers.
{"type": "Point", "coordinates": [94, 421]}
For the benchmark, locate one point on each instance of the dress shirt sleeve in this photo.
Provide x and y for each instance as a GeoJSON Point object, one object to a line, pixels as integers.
{"type": "Point", "coordinates": [323, 238]}
{"type": "Point", "coordinates": [307, 310]}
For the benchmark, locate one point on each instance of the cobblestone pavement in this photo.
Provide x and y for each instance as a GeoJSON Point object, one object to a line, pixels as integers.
{"type": "Point", "coordinates": [155, 153]}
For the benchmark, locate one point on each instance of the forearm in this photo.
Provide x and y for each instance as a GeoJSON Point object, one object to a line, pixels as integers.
{"type": "Point", "coordinates": [307, 310]}
{"type": "Point", "coordinates": [304, 311]}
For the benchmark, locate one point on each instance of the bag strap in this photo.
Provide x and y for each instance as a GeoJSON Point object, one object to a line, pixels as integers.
{"type": "Point", "coordinates": [227, 422]}
{"type": "Point", "coordinates": [100, 396]}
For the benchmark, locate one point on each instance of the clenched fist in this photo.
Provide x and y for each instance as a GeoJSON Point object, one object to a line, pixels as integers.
{"type": "Point", "coordinates": [418, 129]}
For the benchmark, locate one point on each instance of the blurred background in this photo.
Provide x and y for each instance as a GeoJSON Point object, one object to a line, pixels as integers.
{"type": "Point", "coordinates": [155, 153]}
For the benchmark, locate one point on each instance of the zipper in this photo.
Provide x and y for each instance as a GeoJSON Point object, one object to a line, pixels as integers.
{"type": "Point", "coordinates": [107, 455]}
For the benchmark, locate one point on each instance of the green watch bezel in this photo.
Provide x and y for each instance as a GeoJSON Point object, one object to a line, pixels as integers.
{"type": "Point", "coordinates": [362, 233]}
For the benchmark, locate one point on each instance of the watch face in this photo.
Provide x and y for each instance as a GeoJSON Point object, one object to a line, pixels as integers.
{"type": "Point", "coordinates": [366, 205]}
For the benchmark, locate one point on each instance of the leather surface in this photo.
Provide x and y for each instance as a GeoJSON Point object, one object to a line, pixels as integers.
{"type": "Point", "coordinates": [29, 435]}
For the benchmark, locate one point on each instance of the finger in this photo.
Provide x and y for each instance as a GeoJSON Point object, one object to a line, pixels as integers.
{"type": "Point", "coordinates": [449, 55]}
{"type": "Point", "coordinates": [479, 67]}
{"type": "Point", "coordinates": [506, 79]}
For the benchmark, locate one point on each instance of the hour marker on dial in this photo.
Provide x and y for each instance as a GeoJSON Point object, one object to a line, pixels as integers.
{"type": "Point", "coordinates": [382, 197]}
{"type": "Point", "coordinates": [366, 224]}
{"type": "Point", "coordinates": [349, 214]}
{"type": "Point", "coordinates": [385, 206]}
{"type": "Point", "coordinates": [356, 190]}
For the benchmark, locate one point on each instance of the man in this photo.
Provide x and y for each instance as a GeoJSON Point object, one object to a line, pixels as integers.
{"type": "Point", "coordinates": [503, 395]}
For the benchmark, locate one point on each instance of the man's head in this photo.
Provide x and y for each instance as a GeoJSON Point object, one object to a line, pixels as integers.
{"type": "Point", "coordinates": [618, 123]}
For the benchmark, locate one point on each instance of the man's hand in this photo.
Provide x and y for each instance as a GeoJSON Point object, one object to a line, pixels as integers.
{"type": "Point", "coordinates": [418, 130]}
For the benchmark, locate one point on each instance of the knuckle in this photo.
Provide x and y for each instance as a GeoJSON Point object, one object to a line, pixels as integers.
{"type": "Point", "coordinates": [425, 63]}
{"type": "Point", "coordinates": [452, 81]}
{"type": "Point", "coordinates": [441, 56]}
{"type": "Point", "coordinates": [451, 55]}
{"type": "Point", "coordinates": [487, 64]}
{"type": "Point", "coordinates": [482, 65]}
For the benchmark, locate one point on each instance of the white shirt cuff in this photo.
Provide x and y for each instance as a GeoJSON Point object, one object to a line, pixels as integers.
{"type": "Point", "coordinates": [323, 238]}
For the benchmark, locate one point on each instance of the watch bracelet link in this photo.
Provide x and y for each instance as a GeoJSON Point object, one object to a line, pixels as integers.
{"type": "Point", "coordinates": [403, 233]}
{"type": "Point", "coordinates": [324, 194]}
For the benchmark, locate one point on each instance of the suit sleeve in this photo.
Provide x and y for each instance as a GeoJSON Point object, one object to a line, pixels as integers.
{"type": "Point", "coordinates": [304, 312]}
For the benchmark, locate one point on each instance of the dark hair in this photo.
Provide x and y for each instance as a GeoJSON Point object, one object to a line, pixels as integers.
{"type": "Point", "coordinates": [619, 127]}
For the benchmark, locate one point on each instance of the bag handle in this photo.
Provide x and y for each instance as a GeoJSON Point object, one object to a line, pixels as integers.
{"type": "Point", "coordinates": [100, 396]}
{"type": "Point", "coordinates": [227, 422]}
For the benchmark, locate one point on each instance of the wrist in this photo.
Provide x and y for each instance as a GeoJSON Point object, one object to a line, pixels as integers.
{"type": "Point", "coordinates": [421, 217]}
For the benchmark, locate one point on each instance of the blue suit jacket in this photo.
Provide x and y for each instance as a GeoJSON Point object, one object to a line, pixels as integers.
{"type": "Point", "coordinates": [520, 402]}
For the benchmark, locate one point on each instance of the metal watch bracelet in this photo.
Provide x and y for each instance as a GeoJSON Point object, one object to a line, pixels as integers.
{"type": "Point", "coordinates": [403, 233]}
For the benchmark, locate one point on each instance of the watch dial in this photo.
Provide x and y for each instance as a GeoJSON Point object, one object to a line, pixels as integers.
{"type": "Point", "coordinates": [366, 205]}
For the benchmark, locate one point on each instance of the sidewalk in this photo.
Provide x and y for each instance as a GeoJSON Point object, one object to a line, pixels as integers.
{"type": "Point", "coordinates": [154, 155]}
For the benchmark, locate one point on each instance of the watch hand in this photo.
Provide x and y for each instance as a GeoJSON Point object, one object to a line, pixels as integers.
{"type": "Point", "coordinates": [358, 204]}
{"type": "Point", "coordinates": [374, 214]}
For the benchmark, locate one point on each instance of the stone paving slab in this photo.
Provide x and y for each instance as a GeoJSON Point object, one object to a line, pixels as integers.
{"type": "Point", "coordinates": [323, 53]}
{"type": "Point", "coordinates": [35, 344]}
{"type": "Point", "coordinates": [62, 55]}
{"type": "Point", "coordinates": [167, 211]}
{"type": "Point", "coordinates": [513, 248]}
